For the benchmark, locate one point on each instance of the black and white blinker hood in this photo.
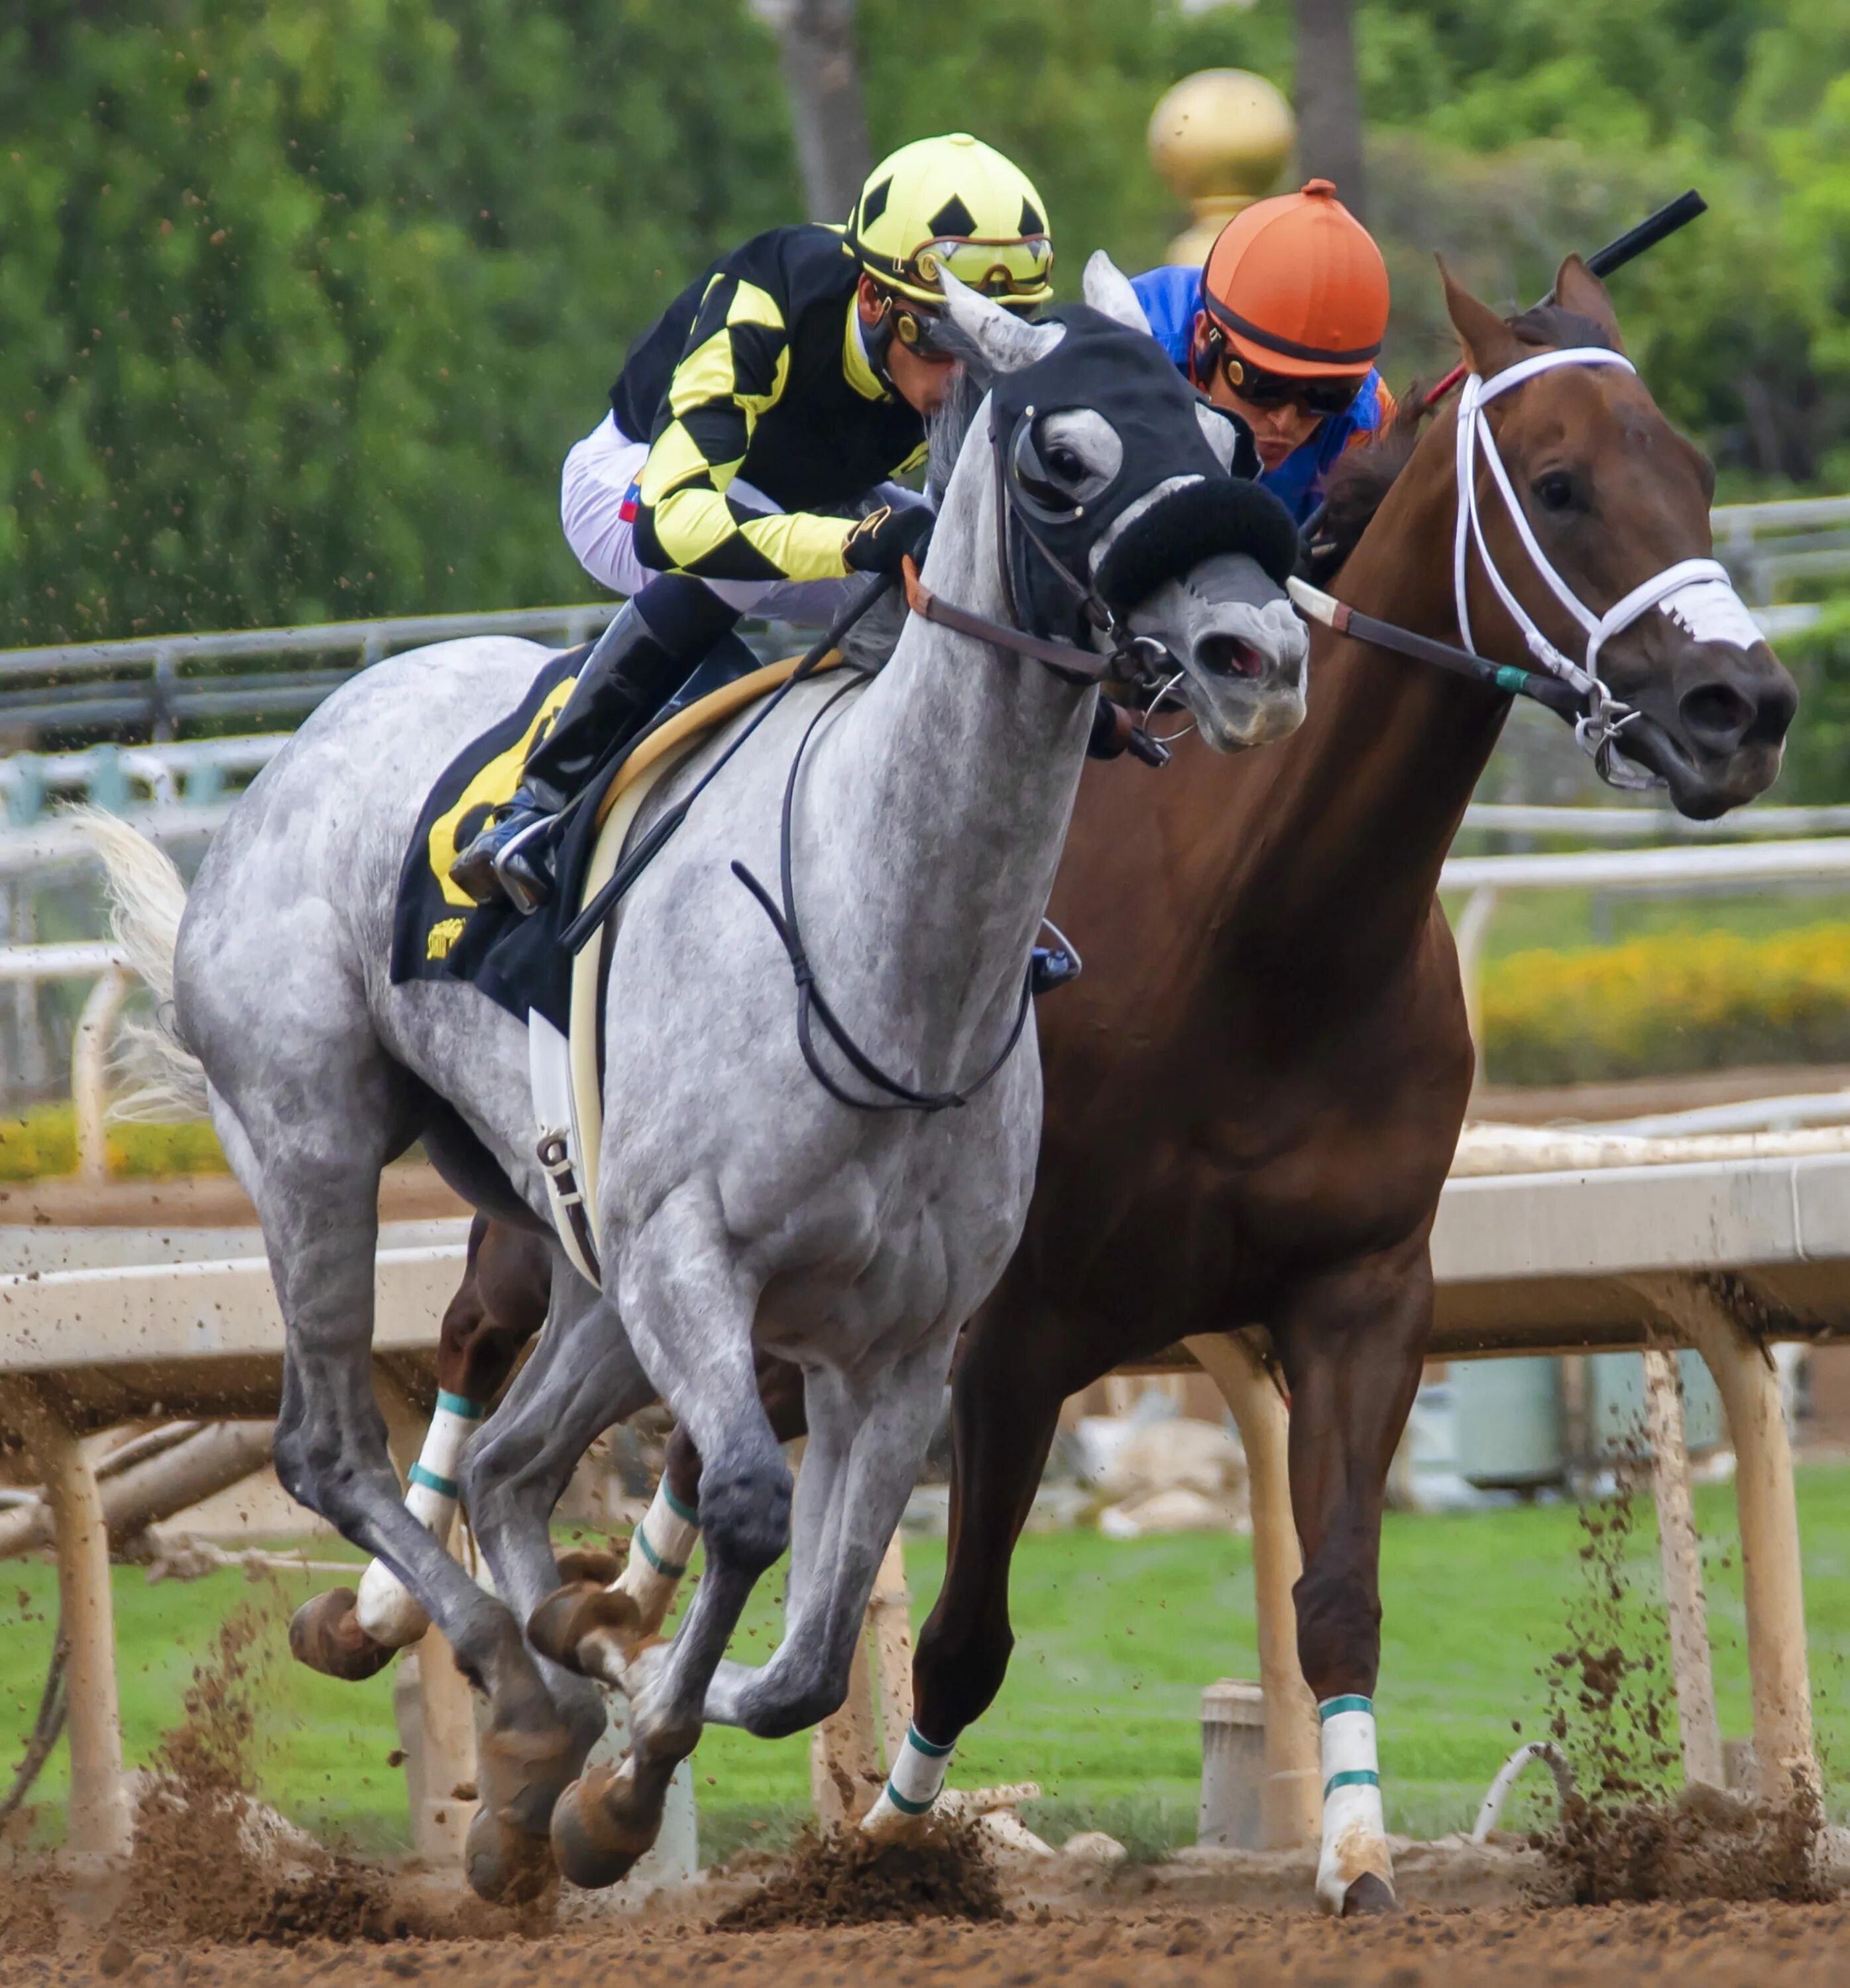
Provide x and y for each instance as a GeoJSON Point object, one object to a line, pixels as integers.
{"type": "Point", "coordinates": [1170, 505]}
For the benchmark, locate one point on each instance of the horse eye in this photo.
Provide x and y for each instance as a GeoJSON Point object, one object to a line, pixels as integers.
{"type": "Point", "coordinates": [1555, 491]}
{"type": "Point", "coordinates": [1065, 463]}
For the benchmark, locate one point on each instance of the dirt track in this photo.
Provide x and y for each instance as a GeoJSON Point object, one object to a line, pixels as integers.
{"type": "Point", "coordinates": [1694, 1946]}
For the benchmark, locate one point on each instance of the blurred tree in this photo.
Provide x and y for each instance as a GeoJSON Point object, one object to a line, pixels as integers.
{"type": "Point", "coordinates": [302, 301]}
{"type": "Point", "coordinates": [300, 308]}
{"type": "Point", "coordinates": [822, 73]}
{"type": "Point", "coordinates": [1329, 105]}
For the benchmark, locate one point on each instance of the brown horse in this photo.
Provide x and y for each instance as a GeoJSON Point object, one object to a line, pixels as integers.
{"type": "Point", "coordinates": [1253, 1095]}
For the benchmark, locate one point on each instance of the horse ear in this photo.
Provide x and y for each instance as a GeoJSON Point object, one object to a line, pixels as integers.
{"type": "Point", "coordinates": [1577, 289]}
{"type": "Point", "coordinates": [1489, 344]}
{"type": "Point", "coordinates": [996, 339]}
{"type": "Point", "coordinates": [1108, 290]}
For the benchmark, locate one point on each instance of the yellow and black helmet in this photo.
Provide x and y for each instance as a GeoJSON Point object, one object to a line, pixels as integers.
{"type": "Point", "coordinates": [957, 203]}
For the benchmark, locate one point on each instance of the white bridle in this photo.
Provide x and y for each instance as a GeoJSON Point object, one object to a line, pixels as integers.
{"type": "Point", "coordinates": [1696, 593]}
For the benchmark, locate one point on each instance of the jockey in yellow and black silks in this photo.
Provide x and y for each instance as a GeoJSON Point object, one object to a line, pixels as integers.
{"type": "Point", "coordinates": [782, 386]}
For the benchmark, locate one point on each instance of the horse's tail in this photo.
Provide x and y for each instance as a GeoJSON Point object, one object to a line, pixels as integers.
{"type": "Point", "coordinates": [147, 898]}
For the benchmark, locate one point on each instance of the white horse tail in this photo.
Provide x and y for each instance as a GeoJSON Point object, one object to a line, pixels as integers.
{"type": "Point", "coordinates": [147, 899]}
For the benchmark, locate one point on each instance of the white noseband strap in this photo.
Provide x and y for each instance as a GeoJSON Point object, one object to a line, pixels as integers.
{"type": "Point", "coordinates": [1697, 593]}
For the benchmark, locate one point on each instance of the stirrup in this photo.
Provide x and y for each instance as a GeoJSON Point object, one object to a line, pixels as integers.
{"type": "Point", "coordinates": [1050, 967]}
{"type": "Point", "coordinates": [478, 869]}
{"type": "Point", "coordinates": [524, 869]}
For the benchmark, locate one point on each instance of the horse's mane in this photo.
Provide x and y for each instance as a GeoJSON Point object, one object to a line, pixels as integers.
{"type": "Point", "coordinates": [1362, 477]}
{"type": "Point", "coordinates": [873, 638]}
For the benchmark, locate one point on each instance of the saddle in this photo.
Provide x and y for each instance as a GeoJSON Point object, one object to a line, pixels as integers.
{"type": "Point", "coordinates": [519, 963]}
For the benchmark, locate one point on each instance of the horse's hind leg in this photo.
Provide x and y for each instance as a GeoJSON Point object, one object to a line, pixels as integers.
{"type": "Point", "coordinates": [498, 1306]}
{"type": "Point", "coordinates": [664, 1538]}
{"type": "Point", "coordinates": [319, 1106]}
{"type": "Point", "coordinates": [1351, 1344]}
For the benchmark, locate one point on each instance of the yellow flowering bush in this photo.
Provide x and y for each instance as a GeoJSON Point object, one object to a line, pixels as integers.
{"type": "Point", "coordinates": [43, 1144]}
{"type": "Point", "coordinates": [1667, 1004]}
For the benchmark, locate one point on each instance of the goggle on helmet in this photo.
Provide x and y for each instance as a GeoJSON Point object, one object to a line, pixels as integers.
{"type": "Point", "coordinates": [951, 203]}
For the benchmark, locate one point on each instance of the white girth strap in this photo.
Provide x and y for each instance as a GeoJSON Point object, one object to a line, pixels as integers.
{"type": "Point", "coordinates": [1697, 591]}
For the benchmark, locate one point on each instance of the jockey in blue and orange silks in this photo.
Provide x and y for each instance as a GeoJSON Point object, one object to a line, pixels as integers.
{"type": "Point", "coordinates": [1281, 328]}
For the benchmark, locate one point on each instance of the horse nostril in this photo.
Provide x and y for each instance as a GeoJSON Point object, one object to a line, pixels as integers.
{"type": "Point", "coordinates": [1227, 656]}
{"type": "Point", "coordinates": [1775, 709]}
{"type": "Point", "coordinates": [1716, 715]}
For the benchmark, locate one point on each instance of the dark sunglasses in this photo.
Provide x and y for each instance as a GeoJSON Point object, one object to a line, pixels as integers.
{"type": "Point", "coordinates": [1277, 390]}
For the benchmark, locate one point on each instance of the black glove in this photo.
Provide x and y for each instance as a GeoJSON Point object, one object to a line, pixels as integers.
{"type": "Point", "coordinates": [883, 538]}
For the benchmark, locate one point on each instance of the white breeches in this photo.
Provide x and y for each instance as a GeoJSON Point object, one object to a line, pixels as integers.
{"type": "Point", "coordinates": [599, 486]}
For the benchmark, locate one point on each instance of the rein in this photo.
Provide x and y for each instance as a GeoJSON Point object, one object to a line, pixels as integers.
{"type": "Point", "coordinates": [1561, 698]}
{"type": "Point", "coordinates": [1136, 657]}
{"type": "Point", "coordinates": [811, 1001]}
{"type": "Point", "coordinates": [1066, 659]}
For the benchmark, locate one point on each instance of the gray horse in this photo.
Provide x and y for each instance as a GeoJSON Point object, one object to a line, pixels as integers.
{"type": "Point", "coordinates": [738, 1200]}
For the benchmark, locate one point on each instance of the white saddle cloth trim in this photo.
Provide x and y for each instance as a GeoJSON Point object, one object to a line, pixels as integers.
{"type": "Point", "coordinates": [584, 1079]}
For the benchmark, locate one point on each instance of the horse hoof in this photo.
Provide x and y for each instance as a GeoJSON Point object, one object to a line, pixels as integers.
{"type": "Point", "coordinates": [589, 1564]}
{"type": "Point", "coordinates": [1368, 1897]}
{"type": "Point", "coordinates": [325, 1634]}
{"type": "Point", "coordinates": [596, 1839]}
{"type": "Point", "coordinates": [562, 1620]}
{"type": "Point", "coordinates": [506, 1866]}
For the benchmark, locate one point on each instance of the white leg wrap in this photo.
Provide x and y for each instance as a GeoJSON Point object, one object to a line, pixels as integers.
{"type": "Point", "coordinates": [660, 1549]}
{"type": "Point", "coordinates": [916, 1783]}
{"type": "Point", "coordinates": [1355, 1837]}
{"type": "Point", "coordinates": [387, 1610]}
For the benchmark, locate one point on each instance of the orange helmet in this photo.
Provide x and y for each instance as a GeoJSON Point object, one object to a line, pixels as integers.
{"type": "Point", "coordinates": [1296, 285]}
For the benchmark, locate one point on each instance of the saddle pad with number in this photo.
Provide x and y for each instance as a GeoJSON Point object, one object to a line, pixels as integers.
{"type": "Point", "coordinates": [439, 934]}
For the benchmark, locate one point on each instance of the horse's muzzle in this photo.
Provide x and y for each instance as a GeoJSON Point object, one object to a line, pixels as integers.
{"type": "Point", "coordinates": [1716, 732]}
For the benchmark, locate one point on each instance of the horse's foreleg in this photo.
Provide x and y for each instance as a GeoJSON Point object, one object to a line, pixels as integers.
{"type": "Point", "coordinates": [499, 1305]}
{"type": "Point", "coordinates": [868, 1435]}
{"type": "Point", "coordinates": [664, 1542]}
{"type": "Point", "coordinates": [1351, 1344]}
{"type": "Point", "coordinates": [689, 1308]}
{"type": "Point", "coordinates": [1015, 1370]}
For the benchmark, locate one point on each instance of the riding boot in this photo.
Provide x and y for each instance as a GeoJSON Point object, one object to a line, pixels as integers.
{"type": "Point", "coordinates": [639, 660]}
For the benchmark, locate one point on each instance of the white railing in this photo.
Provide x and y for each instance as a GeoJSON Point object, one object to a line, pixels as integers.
{"type": "Point", "coordinates": [1485, 879]}
{"type": "Point", "coordinates": [366, 641]}
{"type": "Point", "coordinates": [1632, 824]}
{"type": "Point", "coordinates": [82, 959]}
{"type": "Point", "coordinates": [1798, 540]}
{"type": "Point", "coordinates": [53, 845]}
{"type": "Point", "coordinates": [192, 771]}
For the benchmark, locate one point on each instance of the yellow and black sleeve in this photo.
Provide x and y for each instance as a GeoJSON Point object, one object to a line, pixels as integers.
{"type": "Point", "coordinates": [733, 369]}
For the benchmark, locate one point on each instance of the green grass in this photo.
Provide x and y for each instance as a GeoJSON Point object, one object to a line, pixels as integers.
{"type": "Point", "coordinates": [1114, 1642]}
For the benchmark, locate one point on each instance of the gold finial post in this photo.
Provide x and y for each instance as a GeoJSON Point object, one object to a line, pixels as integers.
{"type": "Point", "coordinates": [1221, 138]}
